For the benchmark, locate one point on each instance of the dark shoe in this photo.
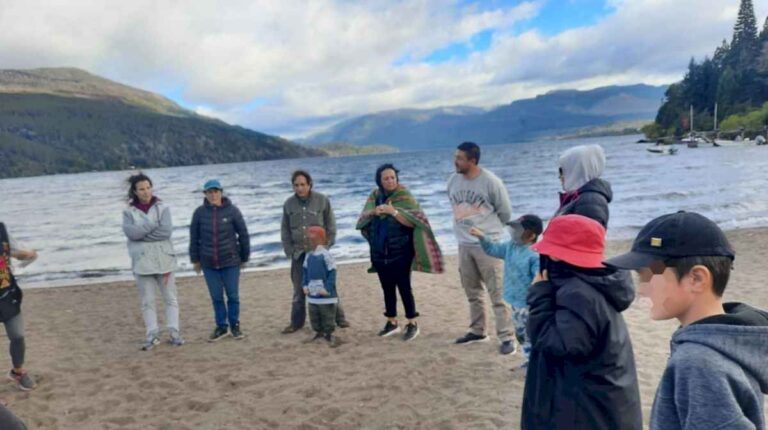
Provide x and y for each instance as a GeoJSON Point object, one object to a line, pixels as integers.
{"type": "Point", "coordinates": [389, 329]}
{"type": "Point", "coordinates": [236, 333]}
{"type": "Point", "coordinates": [508, 347]}
{"type": "Point", "coordinates": [218, 334]}
{"type": "Point", "coordinates": [23, 381]}
{"type": "Point", "coordinates": [411, 331]}
{"type": "Point", "coordinates": [290, 329]}
{"type": "Point", "coordinates": [470, 338]}
{"type": "Point", "coordinates": [343, 324]}
{"type": "Point", "coordinates": [316, 337]}
{"type": "Point", "coordinates": [333, 341]}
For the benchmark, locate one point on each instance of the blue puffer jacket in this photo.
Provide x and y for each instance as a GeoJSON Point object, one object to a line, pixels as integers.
{"type": "Point", "coordinates": [218, 236]}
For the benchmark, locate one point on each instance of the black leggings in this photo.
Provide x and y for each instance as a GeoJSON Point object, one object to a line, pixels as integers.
{"type": "Point", "coordinates": [395, 276]}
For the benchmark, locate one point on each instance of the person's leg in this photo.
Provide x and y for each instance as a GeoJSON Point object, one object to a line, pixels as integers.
{"type": "Point", "coordinates": [215, 284]}
{"type": "Point", "coordinates": [389, 287]}
{"type": "Point", "coordinates": [298, 305]}
{"type": "Point", "coordinates": [341, 317]}
{"type": "Point", "coordinates": [147, 284]}
{"type": "Point", "coordinates": [470, 281]}
{"type": "Point", "coordinates": [491, 270]}
{"type": "Point", "coordinates": [328, 318]}
{"type": "Point", "coordinates": [14, 327]}
{"type": "Point", "coordinates": [231, 277]}
{"type": "Point", "coordinates": [315, 318]}
{"type": "Point", "coordinates": [170, 298]}
{"type": "Point", "coordinates": [403, 280]}
{"type": "Point", "coordinates": [520, 318]}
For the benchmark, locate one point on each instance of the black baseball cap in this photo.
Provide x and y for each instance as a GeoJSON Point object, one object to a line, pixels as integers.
{"type": "Point", "coordinates": [671, 236]}
{"type": "Point", "coordinates": [529, 222]}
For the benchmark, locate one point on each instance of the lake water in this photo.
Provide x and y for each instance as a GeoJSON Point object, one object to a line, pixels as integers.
{"type": "Point", "coordinates": [74, 221]}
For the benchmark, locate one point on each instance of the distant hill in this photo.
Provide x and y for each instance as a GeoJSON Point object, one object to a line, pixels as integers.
{"type": "Point", "coordinates": [340, 149]}
{"type": "Point", "coordinates": [554, 113]}
{"type": "Point", "coordinates": [68, 120]}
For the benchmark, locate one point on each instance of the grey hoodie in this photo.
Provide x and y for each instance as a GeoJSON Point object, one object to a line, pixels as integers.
{"type": "Point", "coordinates": [717, 374]}
{"type": "Point", "coordinates": [580, 165]}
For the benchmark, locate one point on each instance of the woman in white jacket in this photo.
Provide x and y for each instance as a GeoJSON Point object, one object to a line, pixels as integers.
{"type": "Point", "coordinates": [148, 227]}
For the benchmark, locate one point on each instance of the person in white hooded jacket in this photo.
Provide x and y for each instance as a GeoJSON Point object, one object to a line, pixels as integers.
{"type": "Point", "coordinates": [147, 225]}
{"type": "Point", "coordinates": [585, 192]}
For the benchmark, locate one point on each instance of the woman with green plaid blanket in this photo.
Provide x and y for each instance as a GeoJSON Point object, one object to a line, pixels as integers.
{"type": "Point", "coordinates": [400, 240]}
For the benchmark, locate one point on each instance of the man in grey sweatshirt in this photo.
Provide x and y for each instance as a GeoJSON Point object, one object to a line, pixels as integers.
{"type": "Point", "coordinates": [479, 199]}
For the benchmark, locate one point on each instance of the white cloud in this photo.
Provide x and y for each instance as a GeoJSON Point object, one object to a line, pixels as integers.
{"type": "Point", "coordinates": [319, 61]}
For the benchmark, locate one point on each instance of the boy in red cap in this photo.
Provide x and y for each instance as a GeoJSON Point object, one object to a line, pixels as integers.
{"type": "Point", "coordinates": [581, 373]}
{"type": "Point", "coordinates": [319, 284]}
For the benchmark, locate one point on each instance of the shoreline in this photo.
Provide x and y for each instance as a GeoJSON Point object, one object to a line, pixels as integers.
{"type": "Point", "coordinates": [610, 244]}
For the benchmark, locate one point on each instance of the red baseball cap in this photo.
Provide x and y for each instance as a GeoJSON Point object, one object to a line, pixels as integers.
{"type": "Point", "coordinates": [575, 239]}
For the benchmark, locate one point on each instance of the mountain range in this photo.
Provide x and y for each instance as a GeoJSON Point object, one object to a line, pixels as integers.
{"type": "Point", "coordinates": [553, 113]}
{"type": "Point", "coordinates": [64, 120]}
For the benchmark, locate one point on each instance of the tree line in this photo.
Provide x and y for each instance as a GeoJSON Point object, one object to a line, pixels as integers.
{"type": "Point", "coordinates": [735, 79]}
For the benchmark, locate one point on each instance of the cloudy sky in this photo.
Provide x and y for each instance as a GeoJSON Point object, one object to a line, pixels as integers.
{"type": "Point", "coordinates": [294, 67]}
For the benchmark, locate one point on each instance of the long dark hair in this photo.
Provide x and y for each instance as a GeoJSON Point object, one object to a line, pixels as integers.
{"type": "Point", "coordinates": [132, 181]}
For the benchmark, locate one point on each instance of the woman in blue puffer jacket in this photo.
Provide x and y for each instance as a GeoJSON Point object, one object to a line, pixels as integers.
{"type": "Point", "coordinates": [218, 246]}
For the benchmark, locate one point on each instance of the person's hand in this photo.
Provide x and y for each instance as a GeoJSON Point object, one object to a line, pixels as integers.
{"type": "Point", "coordinates": [378, 210]}
{"type": "Point", "coordinates": [474, 231]}
{"type": "Point", "coordinates": [198, 268]}
{"type": "Point", "coordinates": [306, 291]}
{"type": "Point", "coordinates": [389, 209]}
{"type": "Point", "coordinates": [541, 276]}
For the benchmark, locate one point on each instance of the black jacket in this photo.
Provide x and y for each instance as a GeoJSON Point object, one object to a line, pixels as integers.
{"type": "Point", "coordinates": [581, 373]}
{"type": "Point", "coordinates": [395, 247]}
{"type": "Point", "coordinates": [591, 201]}
{"type": "Point", "coordinates": [218, 236]}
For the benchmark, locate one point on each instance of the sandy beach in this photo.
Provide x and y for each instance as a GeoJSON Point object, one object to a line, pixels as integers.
{"type": "Point", "coordinates": [83, 348]}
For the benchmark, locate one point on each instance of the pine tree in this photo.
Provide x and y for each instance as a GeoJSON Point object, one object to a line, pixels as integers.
{"type": "Point", "coordinates": [744, 47]}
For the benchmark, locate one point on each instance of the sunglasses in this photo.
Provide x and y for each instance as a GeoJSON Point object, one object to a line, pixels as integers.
{"type": "Point", "coordinates": [560, 172]}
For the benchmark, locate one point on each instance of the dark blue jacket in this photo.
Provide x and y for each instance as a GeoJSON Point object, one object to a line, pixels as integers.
{"type": "Point", "coordinates": [218, 236]}
{"type": "Point", "coordinates": [581, 373]}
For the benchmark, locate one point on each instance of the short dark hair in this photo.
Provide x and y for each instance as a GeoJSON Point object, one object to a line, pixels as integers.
{"type": "Point", "coordinates": [303, 173]}
{"type": "Point", "coordinates": [133, 180]}
{"type": "Point", "coordinates": [719, 267]}
{"type": "Point", "coordinates": [472, 150]}
{"type": "Point", "coordinates": [384, 167]}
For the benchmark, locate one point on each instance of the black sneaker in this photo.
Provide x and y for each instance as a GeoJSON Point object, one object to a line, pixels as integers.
{"type": "Point", "coordinates": [411, 331]}
{"type": "Point", "coordinates": [389, 329]}
{"type": "Point", "coordinates": [236, 333]}
{"type": "Point", "coordinates": [332, 340]}
{"type": "Point", "coordinates": [470, 338]}
{"type": "Point", "coordinates": [218, 334]}
{"type": "Point", "coordinates": [508, 347]}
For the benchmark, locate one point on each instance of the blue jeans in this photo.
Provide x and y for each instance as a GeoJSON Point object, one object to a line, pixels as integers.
{"type": "Point", "coordinates": [219, 281]}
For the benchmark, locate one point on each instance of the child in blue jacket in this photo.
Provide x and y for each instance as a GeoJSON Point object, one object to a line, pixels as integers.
{"type": "Point", "coordinates": [320, 287]}
{"type": "Point", "coordinates": [520, 267]}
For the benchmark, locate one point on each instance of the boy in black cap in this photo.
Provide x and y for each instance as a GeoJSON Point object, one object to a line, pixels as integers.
{"type": "Point", "coordinates": [719, 361]}
{"type": "Point", "coordinates": [520, 267]}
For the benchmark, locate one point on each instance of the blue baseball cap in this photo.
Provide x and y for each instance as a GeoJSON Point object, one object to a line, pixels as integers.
{"type": "Point", "coordinates": [212, 184]}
